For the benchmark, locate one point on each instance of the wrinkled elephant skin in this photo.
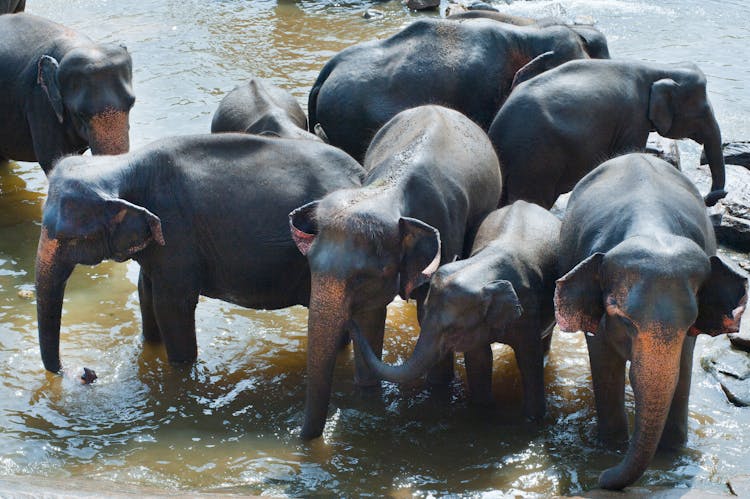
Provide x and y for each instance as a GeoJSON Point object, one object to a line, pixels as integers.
{"type": "Point", "coordinates": [643, 277]}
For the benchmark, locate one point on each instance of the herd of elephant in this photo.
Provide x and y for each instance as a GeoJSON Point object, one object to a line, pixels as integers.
{"type": "Point", "coordinates": [387, 193]}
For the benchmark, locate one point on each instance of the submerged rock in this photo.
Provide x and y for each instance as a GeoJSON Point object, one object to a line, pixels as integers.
{"type": "Point", "coordinates": [482, 6]}
{"type": "Point", "coordinates": [735, 153]}
{"type": "Point", "coordinates": [371, 14]}
{"type": "Point", "coordinates": [455, 8]}
{"type": "Point", "coordinates": [731, 368]}
{"type": "Point", "coordinates": [422, 4]}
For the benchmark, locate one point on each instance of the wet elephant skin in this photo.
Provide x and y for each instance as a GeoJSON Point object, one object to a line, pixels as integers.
{"type": "Point", "coordinates": [645, 280]}
{"type": "Point", "coordinates": [202, 215]}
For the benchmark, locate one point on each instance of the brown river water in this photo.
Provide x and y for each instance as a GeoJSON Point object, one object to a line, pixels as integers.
{"type": "Point", "coordinates": [230, 422]}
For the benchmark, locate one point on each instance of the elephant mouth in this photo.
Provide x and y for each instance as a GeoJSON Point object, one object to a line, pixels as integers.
{"type": "Point", "coordinates": [108, 132]}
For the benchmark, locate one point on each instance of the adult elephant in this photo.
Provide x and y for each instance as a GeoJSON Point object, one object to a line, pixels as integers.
{"type": "Point", "coordinates": [646, 281]}
{"type": "Point", "coordinates": [554, 129]}
{"type": "Point", "coordinates": [501, 293]}
{"type": "Point", "coordinates": [61, 93]}
{"type": "Point", "coordinates": [262, 109]}
{"type": "Point", "coordinates": [432, 177]}
{"type": "Point", "coordinates": [12, 6]}
{"type": "Point", "coordinates": [202, 215]}
{"type": "Point", "coordinates": [468, 65]}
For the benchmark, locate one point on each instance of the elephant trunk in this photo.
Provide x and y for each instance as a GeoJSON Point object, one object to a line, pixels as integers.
{"type": "Point", "coordinates": [654, 372]}
{"type": "Point", "coordinates": [109, 133]}
{"type": "Point", "coordinates": [426, 354]}
{"type": "Point", "coordinates": [52, 272]}
{"type": "Point", "coordinates": [715, 157]}
{"type": "Point", "coordinates": [325, 330]}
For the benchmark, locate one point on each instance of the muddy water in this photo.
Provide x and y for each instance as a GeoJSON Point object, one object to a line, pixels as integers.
{"type": "Point", "coordinates": [230, 422]}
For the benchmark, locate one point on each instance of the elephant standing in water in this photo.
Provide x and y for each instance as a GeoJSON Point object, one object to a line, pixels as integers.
{"type": "Point", "coordinates": [61, 93]}
{"type": "Point", "coordinates": [202, 215]}
{"type": "Point", "coordinates": [501, 293]}
{"type": "Point", "coordinates": [559, 126]}
{"type": "Point", "coordinates": [645, 280]}
{"type": "Point", "coordinates": [468, 65]}
{"type": "Point", "coordinates": [432, 177]}
{"type": "Point", "coordinates": [262, 109]}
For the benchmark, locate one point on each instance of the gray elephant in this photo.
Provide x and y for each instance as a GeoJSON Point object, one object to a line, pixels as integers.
{"type": "Point", "coordinates": [645, 281]}
{"type": "Point", "coordinates": [202, 215]}
{"type": "Point", "coordinates": [468, 65]}
{"type": "Point", "coordinates": [432, 177]}
{"type": "Point", "coordinates": [61, 93]}
{"type": "Point", "coordinates": [12, 6]}
{"type": "Point", "coordinates": [263, 109]}
{"type": "Point", "coordinates": [558, 126]}
{"type": "Point", "coordinates": [501, 293]}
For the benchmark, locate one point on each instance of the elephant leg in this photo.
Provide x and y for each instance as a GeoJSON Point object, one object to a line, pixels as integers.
{"type": "Point", "coordinates": [479, 374]}
{"type": "Point", "coordinates": [372, 324]}
{"type": "Point", "coordinates": [174, 308]}
{"type": "Point", "coordinates": [675, 431]}
{"type": "Point", "coordinates": [530, 360]}
{"type": "Point", "coordinates": [442, 372]}
{"type": "Point", "coordinates": [148, 317]}
{"type": "Point", "coordinates": [608, 377]}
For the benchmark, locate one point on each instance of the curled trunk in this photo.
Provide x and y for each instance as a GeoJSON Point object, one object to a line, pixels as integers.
{"type": "Point", "coordinates": [654, 373]}
{"type": "Point", "coordinates": [715, 157]}
{"type": "Point", "coordinates": [52, 272]}
{"type": "Point", "coordinates": [426, 354]}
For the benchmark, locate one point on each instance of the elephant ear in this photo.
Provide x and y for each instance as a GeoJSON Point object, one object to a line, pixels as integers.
{"type": "Point", "coordinates": [537, 65]}
{"type": "Point", "coordinates": [721, 301]}
{"type": "Point", "coordinates": [661, 106]}
{"type": "Point", "coordinates": [303, 224]}
{"type": "Point", "coordinates": [131, 228]}
{"type": "Point", "coordinates": [578, 297]}
{"type": "Point", "coordinates": [501, 302]}
{"type": "Point", "coordinates": [47, 79]}
{"type": "Point", "coordinates": [420, 254]}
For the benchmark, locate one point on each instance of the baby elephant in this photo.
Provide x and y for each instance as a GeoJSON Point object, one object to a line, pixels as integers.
{"type": "Point", "coordinates": [645, 280]}
{"type": "Point", "coordinates": [261, 109]}
{"type": "Point", "coordinates": [202, 215]}
{"type": "Point", "coordinates": [501, 293]}
{"type": "Point", "coordinates": [560, 125]}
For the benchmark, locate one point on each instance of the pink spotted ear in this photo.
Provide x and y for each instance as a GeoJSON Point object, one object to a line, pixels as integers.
{"type": "Point", "coordinates": [578, 297]}
{"type": "Point", "coordinates": [304, 226]}
{"type": "Point", "coordinates": [721, 301]}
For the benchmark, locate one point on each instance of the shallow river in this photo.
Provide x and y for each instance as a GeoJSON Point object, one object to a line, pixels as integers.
{"type": "Point", "coordinates": [230, 423]}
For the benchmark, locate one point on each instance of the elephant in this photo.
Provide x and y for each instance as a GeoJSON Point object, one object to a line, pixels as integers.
{"type": "Point", "coordinates": [558, 126]}
{"type": "Point", "coordinates": [263, 109]}
{"type": "Point", "coordinates": [502, 293]}
{"type": "Point", "coordinates": [12, 6]}
{"type": "Point", "coordinates": [467, 65]}
{"type": "Point", "coordinates": [202, 215]}
{"type": "Point", "coordinates": [432, 177]}
{"type": "Point", "coordinates": [645, 281]}
{"type": "Point", "coordinates": [61, 93]}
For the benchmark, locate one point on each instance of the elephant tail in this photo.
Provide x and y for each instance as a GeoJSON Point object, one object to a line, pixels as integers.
{"type": "Point", "coordinates": [312, 100]}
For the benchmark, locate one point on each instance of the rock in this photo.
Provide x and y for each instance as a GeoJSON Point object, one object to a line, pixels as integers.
{"type": "Point", "coordinates": [454, 8]}
{"type": "Point", "coordinates": [735, 153]}
{"type": "Point", "coordinates": [731, 368]}
{"type": "Point", "coordinates": [26, 294]}
{"type": "Point", "coordinates": [422, 4]}
{"type": "Point", "coordinates": [740, 341]}
{"type": "Point", "coordinates": [664, 148]}
{"type": "Point", "coordinates": [482, 6]}
{"type": "Point", "coordinates": [88, 376]}
{"type": "Point", "coordinates": [731, 217]}
{"type": "Point", "coordinates": [371, 14]}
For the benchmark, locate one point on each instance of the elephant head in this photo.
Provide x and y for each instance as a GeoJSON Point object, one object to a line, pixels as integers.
{"type": "Point", "coordinates": [360, 257]}
{"type": "Point", "coordinates": [91, 87]}
{"type": "Point", "coordinates": [460, 314]}
{"type": "Point", "coordinates": [679, 108]}
{"type": "Point", "coordinates": [81, 224]}
{"type": "Point", "coordinates": [650, 293]}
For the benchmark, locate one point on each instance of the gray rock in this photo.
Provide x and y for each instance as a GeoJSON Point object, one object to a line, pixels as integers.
{"type": "Point", "coordinates": [370, 14]}
{"type": "Point", "coordinates": [731, 217]}
{"type": "Point", "coordinates": [731, 368]}
{"type": "Point", "coordinates": [664, 148]}
{"type": "Point", "coordinates": [454, 8]}
{"type": "Point", "coordinates": [422, 4]}
{"type": "Point", "coordinates": [735, 153]}
{"type": "Point", "coordinates": [482, 6]}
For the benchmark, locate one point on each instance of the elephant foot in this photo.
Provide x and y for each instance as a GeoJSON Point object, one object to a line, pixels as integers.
{"type": "Point", "coordinates": [613, 439]}
{"type": "Point", "coordinates": [482, 400]}
{"type": "Point", "coordinates": [442, 372]}
{"type": "Point", "coordinates": [672, 441]}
